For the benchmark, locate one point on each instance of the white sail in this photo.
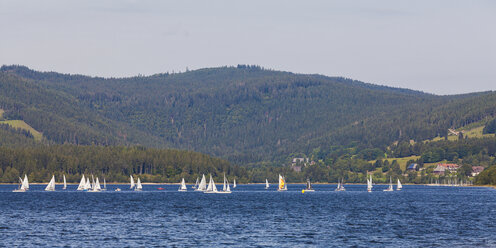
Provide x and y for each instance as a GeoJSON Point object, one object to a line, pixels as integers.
{"type": "Point", "coordinates": [51, 184]}
{"type": "Point", "coordinates": [97, 186]}
{"type": "Point", "coordinates": [282, 184]}
{"type": "Point", "coordinates": [82, 184]}
{"type": "Point", "coordinates": [338, 187]}
{"type": "Point", "coordinates": [342, 186]}
{"type": "Point", "coordinates": [234, 183]}
{"type": "Point", "coordinates": [25, 183]}
{"type": "Point", "coordinates": [65, 183]}
{"type": "Point", "coordinates": [88, 184]}
{"type": "Point", "coordinates": [309, 186]}
{"type": "Point", "coordinates": [104, 184]}
{"type": "Point", "coordinates": [214, 188]}
{"type": "Point", "coordinates": [20, 189]}
{"type": "Point", "coordinates": [399, 187]}
{"type": "Point", "coordinates": [132, 182]}
{"type": "Point", "coordinates": [93, 184]}
{"type": "Point", "coordinates": [203, 184]}
{"type": "Point", "coordinates": [183, 186]}
{"type": "Point", "coordinates": [390, 188]}
{"type": "Point", "coordinates": [139, 187]}
{"type": "Point", "coordinates": [226, 189]}
{"type": "Point", "coordinates": [369, 184]}
{"type": "Point", "coordinates": [224, 186]}
{"type": "Point", "coordinates": [196, 183]}
{"type": "Point", "coordinates": [266, 183]}
{"type": "Point", "coordinates": [211, 186]}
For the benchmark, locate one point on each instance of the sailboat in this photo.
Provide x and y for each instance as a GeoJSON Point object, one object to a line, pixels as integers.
{"type": "Point", "coordinates": [390, 188]}
{"type": "Point", "coordinates": [96, 186]}
{"type": "Point", "coordinates": [234, 183]}
{"type": "Point", "coordinates": [211, 188]}
{"type": "Point", "coordinates": [82, 184]}
{"type": "Point", "coordinates": [266, 183]}
{"type": "Point", "coordinates": [104, 185]}
{"type": "Point", "coordinates": [225, 187]}
{"type": "Point", "coordinates": [132, 182]}
{"type": "Point", "coordinates": [183, 187]}
{"type": "Point", "coordinates": [203, 184]}
{"type": "Point", "coordinates": [196, 183]}
{"type": "Point", "coordinates": [23, 185]}
{"type": "Point", "coordinates": [87, 186]}
{"type": "Point", "coordinates": [309, 187]}
{"type": "Point", "coordinates": [369, 184]}
{"type": "Point", "coordinates": [139, 187]}
{"type": "Point", "coordinates": [51, 184]}
{"type": "Point", "coordinates": [65, 184]}
{"type": "Point", "coordinates": [399, 187]}
{"type": "Point", "coordinates": [340, 186]}
{"type": "Point", "coordinates": [282, 184]}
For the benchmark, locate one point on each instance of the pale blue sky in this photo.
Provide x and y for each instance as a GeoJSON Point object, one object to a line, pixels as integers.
{"type": "Point", "coordinates": [442, 47]}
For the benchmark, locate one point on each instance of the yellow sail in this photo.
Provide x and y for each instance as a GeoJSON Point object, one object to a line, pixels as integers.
{"type": "Point", "coordinates": [282, 183]}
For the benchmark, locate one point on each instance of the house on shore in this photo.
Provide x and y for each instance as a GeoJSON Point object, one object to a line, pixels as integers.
{"type": "Point", "coordinates": [298, 163]}
{"type": "Point", "coordinates": [476, 170]}
{"type": "Point", "coordinates": [442, 168]}
{"type": "Point", "coordinates": [412, 167]}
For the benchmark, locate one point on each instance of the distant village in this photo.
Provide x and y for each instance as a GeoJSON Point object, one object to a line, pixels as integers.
{"type": "Point", "coordinates": [441, 169]}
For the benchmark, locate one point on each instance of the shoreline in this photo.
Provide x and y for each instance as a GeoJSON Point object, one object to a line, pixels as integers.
{"type": "Point", "coordinates": [118, 183]}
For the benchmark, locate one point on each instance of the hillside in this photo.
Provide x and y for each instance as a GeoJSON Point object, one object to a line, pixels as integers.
{"type": "Point", "coordinates": [245, 114]}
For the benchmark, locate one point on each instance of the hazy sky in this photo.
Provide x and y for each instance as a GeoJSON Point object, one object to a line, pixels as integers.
{"type": "Point", "coordinates": [441, 47]}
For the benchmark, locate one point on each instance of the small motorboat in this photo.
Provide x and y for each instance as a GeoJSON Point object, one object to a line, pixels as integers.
{"type": "Point", "coordinates": [118, 189]}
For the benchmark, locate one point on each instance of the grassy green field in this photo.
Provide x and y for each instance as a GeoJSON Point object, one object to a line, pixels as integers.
{"type": "Point", "coordinates": [477, 133]}
{"type": "Point", "coordinates": [23, 125]}
{"type": "Point", "coordinates": [469, 131]}
{"type": "Point", "coordinates": [401, 161]}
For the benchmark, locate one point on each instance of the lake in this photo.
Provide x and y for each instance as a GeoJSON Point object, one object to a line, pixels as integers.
{"type": "Point", "coordinates": [417, 216]}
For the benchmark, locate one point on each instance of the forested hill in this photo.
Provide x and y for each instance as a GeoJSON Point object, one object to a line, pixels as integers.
{"type": "Point", "coordinates": [245, 113]}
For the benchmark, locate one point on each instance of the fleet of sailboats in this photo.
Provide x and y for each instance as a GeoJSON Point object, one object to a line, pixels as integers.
{"type": "Point", "coordinates": [94, 185]}
{"type": "Point", "coordinates": [183, 187]}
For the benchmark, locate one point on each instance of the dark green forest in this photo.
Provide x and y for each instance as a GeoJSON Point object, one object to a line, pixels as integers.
{"type": "Point", "coordinates": [256, 120]}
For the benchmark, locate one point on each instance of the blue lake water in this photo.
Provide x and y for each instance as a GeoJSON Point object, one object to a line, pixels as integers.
{"type": "Point", "coordinates": [418, 216]}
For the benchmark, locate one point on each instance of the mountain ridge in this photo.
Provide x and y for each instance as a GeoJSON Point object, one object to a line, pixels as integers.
{"type": "Point", "coordinates": [244, 113]}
